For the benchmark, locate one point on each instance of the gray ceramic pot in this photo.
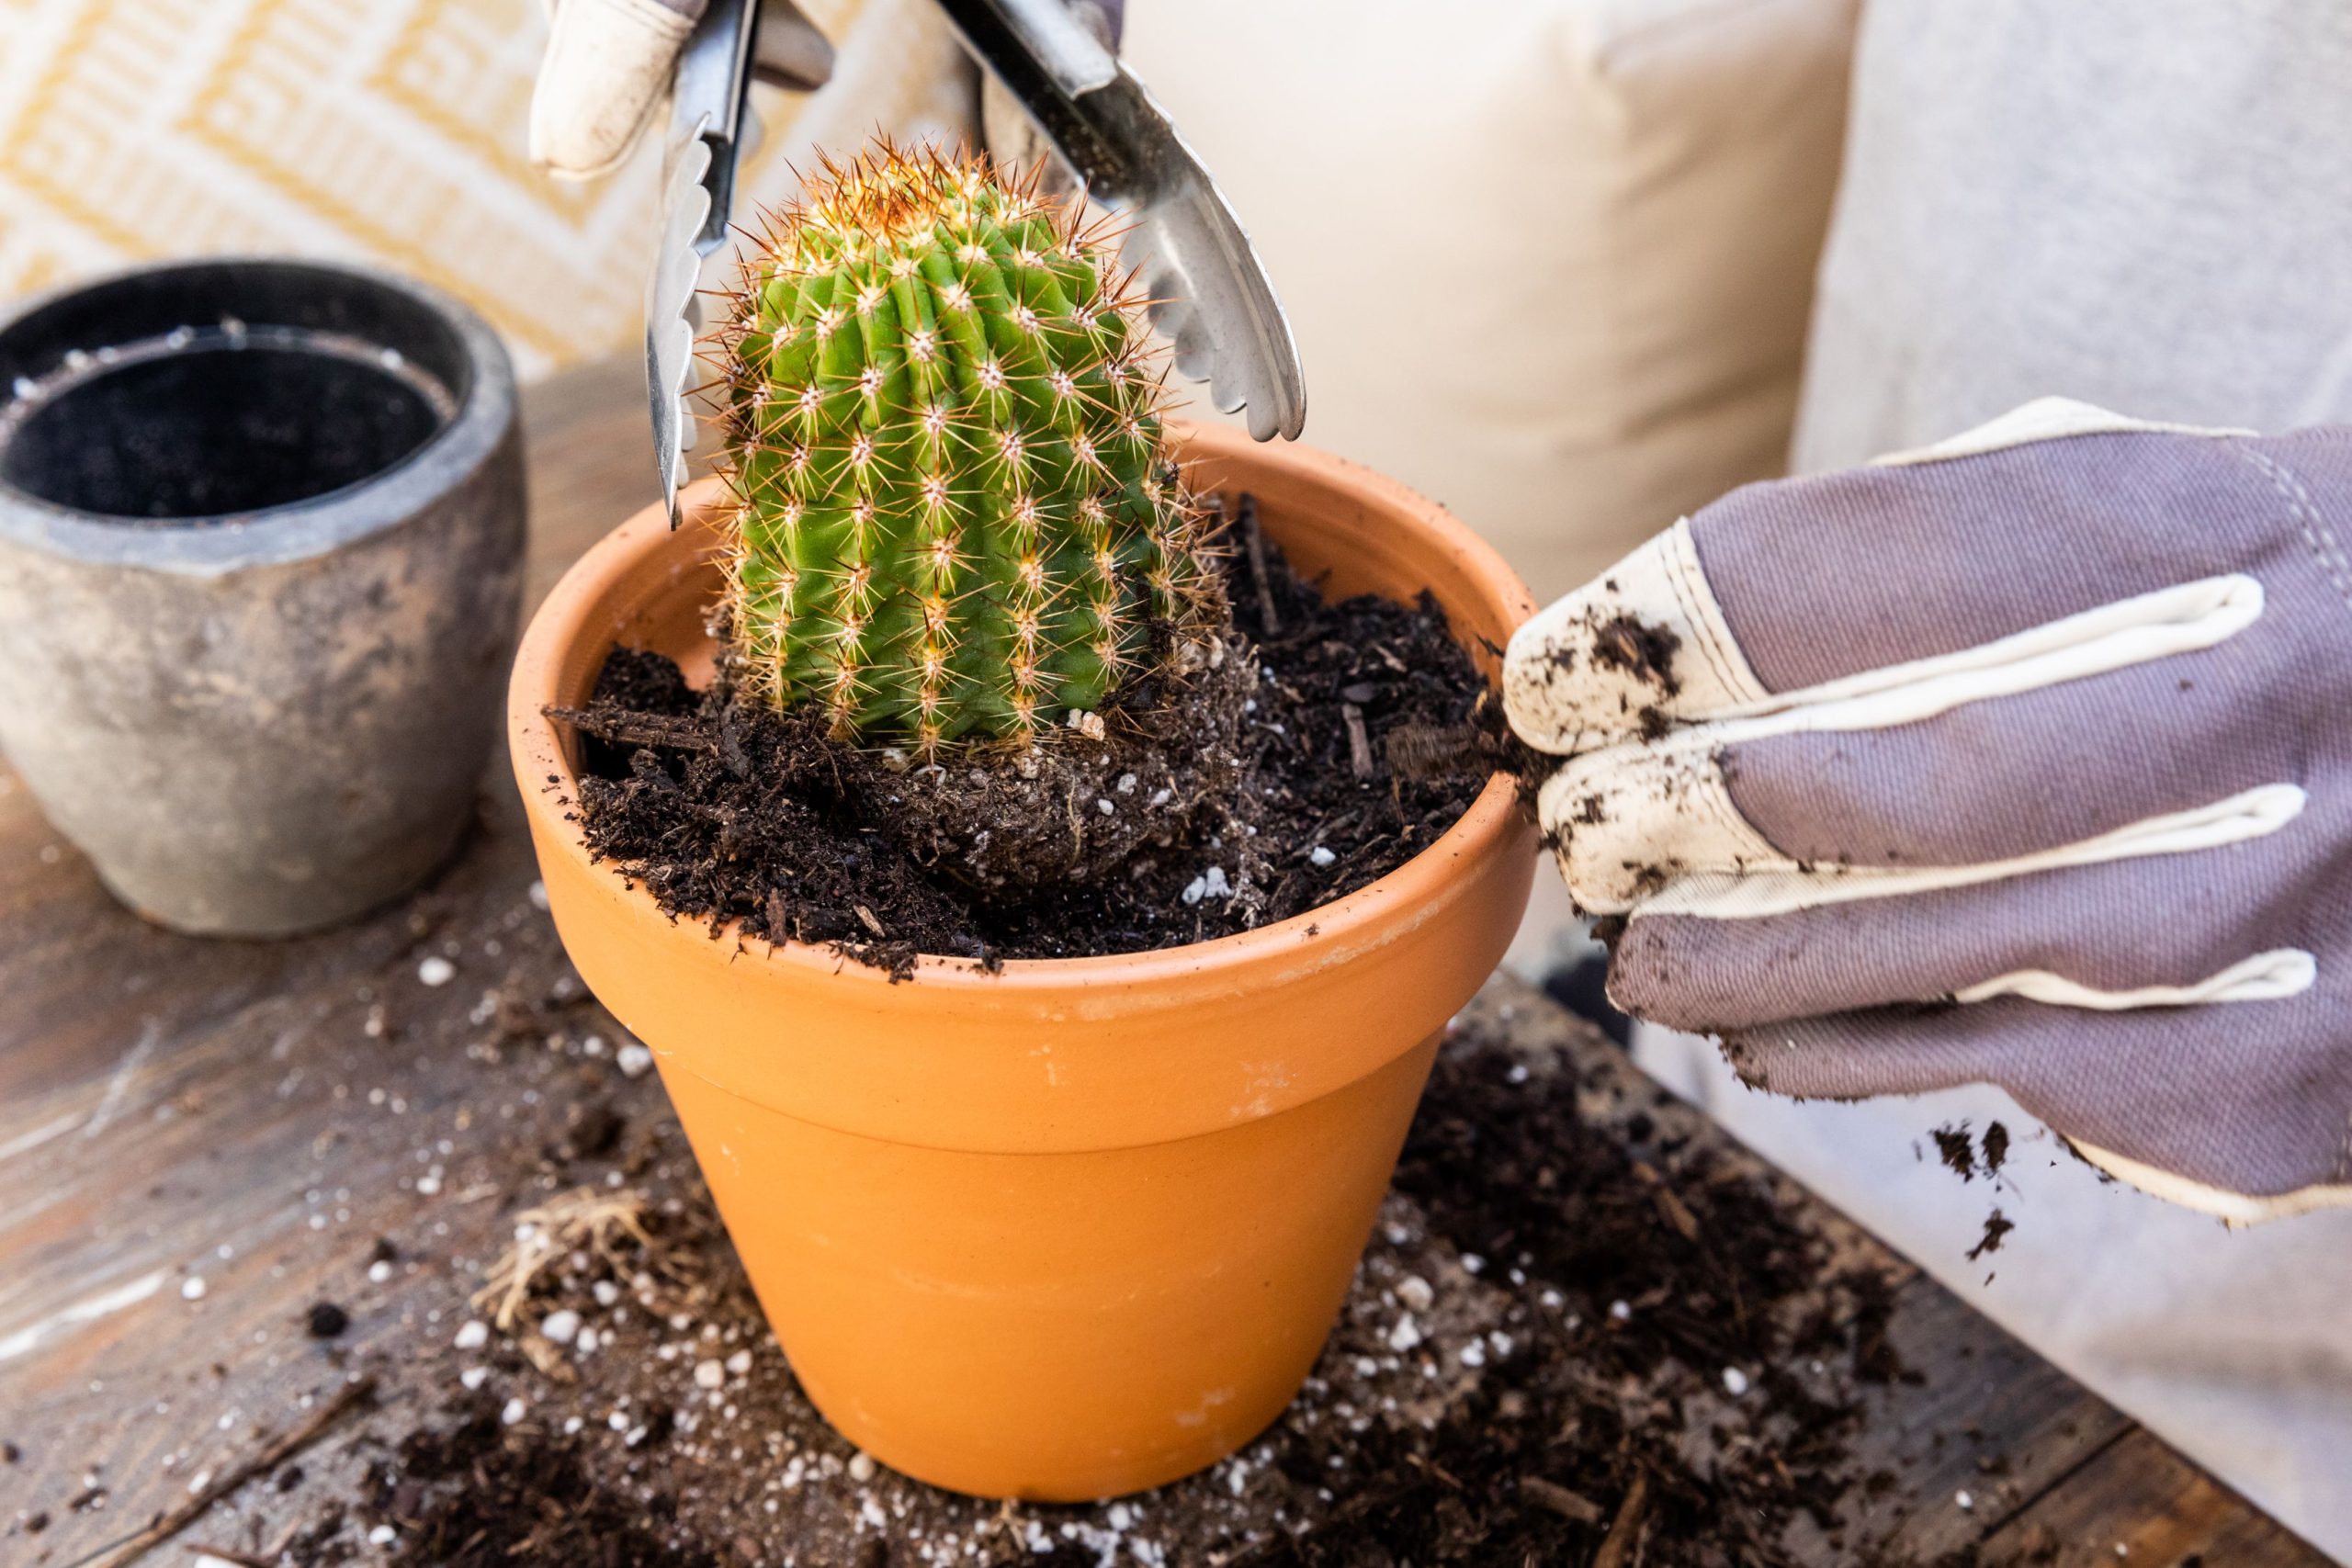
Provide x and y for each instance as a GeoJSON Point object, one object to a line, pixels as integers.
{"type": "Point", "coordinates": [261, 541]}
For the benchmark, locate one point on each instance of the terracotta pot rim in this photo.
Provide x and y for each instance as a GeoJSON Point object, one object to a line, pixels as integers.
{"type": "Point", "coordinates": [1484, 829]}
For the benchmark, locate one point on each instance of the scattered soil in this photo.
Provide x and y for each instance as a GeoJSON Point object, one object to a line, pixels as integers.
{"type": "Point", "coordinates": [1969, 1157]}
{"type": "Point", "coordinates": [1574, 1325]}
{"type": "Point", "coordinates": [471, 1497]}
{"type": "Point", "coordinates": [1366, 734]}
{"type": "Point", "coordinates": [1691, 1404]}
{"type": "Point", "coordinates": [518, 1187]}
{"type": "Point", "coordinates": [1995, 1227]}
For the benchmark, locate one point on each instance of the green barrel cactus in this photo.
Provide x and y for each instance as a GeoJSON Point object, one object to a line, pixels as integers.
{"type": "Point", "coordinates": [958, 520]}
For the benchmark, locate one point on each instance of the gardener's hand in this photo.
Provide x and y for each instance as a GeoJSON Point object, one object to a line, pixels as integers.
{"type": "Point", "coordinates": [609, 65]}
{"type": "Point", "coordinates": [2024, 760]}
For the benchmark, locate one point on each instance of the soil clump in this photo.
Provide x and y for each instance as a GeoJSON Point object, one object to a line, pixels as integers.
{"type": "Point", "coordinates": [472, 1496]}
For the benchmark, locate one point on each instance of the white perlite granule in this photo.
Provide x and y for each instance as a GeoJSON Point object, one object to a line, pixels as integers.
{"type": "Point", "coordinates": [1210, 884]}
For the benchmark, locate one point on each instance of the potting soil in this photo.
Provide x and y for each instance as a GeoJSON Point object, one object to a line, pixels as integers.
{"type": "Point", "coordinates": [1369, 733]}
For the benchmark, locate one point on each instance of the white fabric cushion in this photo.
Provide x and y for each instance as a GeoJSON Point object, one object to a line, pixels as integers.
{"type": "Point", "coordinates": [1550, 266]}
{"type": "Point", "coordinates": [2113, 200]}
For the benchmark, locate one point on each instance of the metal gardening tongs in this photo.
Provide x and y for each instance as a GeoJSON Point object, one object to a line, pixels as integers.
{"type": "Point", "coordinates": [1209, 292]}
{"type": "Point", "coordinates": [707, 111]}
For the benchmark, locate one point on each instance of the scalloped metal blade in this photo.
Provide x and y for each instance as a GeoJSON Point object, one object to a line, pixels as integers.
{"type": "Point", "coordinates": [707, 120]}
{"type": "Point", "coordinates": [1209, 296]}
{"type": "Point", "coordinates": [669, 306]}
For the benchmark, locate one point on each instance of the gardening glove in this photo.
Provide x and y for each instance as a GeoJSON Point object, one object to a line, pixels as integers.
{"type": "Point", "coordinates": [2025, 759]}
{"type": "Point", "coordinates": [609, 63]}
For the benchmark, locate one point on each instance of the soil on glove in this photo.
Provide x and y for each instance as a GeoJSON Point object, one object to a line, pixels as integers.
{"type": "Point", "coordinates": [1367, 733]}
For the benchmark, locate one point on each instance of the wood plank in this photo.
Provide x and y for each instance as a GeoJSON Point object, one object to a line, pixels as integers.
{"type": "Point", "coordinates": [251, 1150]}
{"type": "Point", "coordinates": [2041, 1459]}
{"type": "Point", "coordinates": [1987, 1420]}
{"type": "Point", "coordinates": [2139, 1502]}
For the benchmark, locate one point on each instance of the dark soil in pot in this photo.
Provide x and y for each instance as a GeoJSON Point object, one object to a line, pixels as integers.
{"type": "Point", "coordinates": [1367, 733]}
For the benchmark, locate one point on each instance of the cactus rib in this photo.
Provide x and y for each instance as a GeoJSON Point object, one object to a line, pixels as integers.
{"type": "Point", "coordinates": [958, 519]}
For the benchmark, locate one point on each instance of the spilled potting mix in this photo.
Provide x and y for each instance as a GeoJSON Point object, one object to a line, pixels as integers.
{"type": "Point", "coordinates": [1566, 1333]}
{"type": "Point", "coordinates": [1583, 1333]}
{"type": "Point", "coordinates": [1366, 734]}
{"type": "Point", "coordinates": [1588, 1329]}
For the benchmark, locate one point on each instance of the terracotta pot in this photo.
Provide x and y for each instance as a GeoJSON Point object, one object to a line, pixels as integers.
{"type": "Point", "coordinates": [1079, 1227]}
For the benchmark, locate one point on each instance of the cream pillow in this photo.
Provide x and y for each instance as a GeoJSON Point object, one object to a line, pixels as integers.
{"type": "Point", "coordinates": [1548, 261]}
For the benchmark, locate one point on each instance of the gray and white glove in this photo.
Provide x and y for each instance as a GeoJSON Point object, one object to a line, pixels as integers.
{"type": "Point", "coordinates": [609, 63]}
{"type": "Point", "coordinates": [2025, 759]}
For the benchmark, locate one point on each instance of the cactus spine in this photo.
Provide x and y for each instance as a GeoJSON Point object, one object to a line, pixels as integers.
{"type": "Point", "coordinates": [958, 519]}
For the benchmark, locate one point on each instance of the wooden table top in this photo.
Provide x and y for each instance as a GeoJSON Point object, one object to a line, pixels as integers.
{"type": "Point", "coordinates": [198, 1140]}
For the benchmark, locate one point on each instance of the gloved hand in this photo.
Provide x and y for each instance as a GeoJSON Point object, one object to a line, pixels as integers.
{"type": "Point", "coordinates": [2025, 759]}
{"type": "Point", "coordinates": [609, 63]}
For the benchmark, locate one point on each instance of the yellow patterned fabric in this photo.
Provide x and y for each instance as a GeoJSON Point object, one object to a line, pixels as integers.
{"type": "Point", "coordinates": [389, 132]}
